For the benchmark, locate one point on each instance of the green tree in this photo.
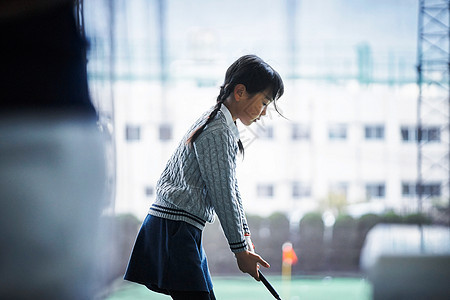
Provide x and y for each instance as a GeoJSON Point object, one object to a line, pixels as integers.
{"type": "Point", "coordinates": [311, 250]}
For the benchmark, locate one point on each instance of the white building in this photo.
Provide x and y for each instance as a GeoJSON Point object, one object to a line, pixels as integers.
{"type": "Point", "coordinates": [341, 144]}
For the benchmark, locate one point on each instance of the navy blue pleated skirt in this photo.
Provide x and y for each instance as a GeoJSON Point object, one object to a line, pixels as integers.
{"type": "Point", "coordinates": [168, 255]}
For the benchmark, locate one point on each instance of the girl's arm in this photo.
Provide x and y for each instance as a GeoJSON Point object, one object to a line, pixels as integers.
{"type": "Point", "coordinates": [241, 209]}
{"type": "Point", "coordinates": [216, 155]}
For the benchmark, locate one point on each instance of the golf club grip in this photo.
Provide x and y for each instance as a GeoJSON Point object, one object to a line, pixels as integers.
{"type": "Point", "coordinates": [268, 285]}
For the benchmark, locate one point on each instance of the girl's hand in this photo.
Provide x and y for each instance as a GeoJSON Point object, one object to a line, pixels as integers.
{"type": "Point", "coordinates": [248, 263]}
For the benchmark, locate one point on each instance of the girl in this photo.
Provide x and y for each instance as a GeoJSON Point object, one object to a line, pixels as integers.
{"type": "Point", "coordinates": [199, 181]}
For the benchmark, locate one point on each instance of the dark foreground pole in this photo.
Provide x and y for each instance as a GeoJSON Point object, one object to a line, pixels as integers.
{"type": "Point", "coordinates": [268, 286]}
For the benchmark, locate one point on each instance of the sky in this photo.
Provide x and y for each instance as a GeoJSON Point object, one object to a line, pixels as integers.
{"type": "Point", "coordinates": [382, 23]}
{"type": "Point", "coordinates": [328, 29]}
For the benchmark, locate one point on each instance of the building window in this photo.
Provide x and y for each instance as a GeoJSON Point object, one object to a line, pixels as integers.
{"type": "Point", "coordinates": [337, 132]}
{"type": "Point", "coordinates": [265, 190]}
{"type": "Point", "coordinates": [408, 134]}
{"type": "Point", "coordinates": [339, 188]}
{"type": "Point", "coordinates": [375, 190]}
{"type": "Point", "coordinates": [149, 191]}
{"type": "Point", "coordinates": [165, 132]}
{"type": "Point", "coordinates": [408, 189]}
{"type": "Point", "coordinates": [300, 132]}
{"type": "Point", "coordinates": [375, 132]}
{"type": "Point", "coordinates": [431, 190]}
{"type": "Point", "coordinates": [429, 134]}
{"type": "Point", "coordinates": [264, 132]}
{"type": "Point", "coordinates": [132, 133]}
{"type": "Point", "coordinates": [300, 190]}
{"type": "Point", "coordinates": [428, 189]}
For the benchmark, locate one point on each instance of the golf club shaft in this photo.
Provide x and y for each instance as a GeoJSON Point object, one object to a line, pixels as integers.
{"type": "Point", "coordinates": [268, 286]}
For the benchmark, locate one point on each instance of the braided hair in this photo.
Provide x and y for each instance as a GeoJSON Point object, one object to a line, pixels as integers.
{"type": "Point", "coordinates": [256, 75]}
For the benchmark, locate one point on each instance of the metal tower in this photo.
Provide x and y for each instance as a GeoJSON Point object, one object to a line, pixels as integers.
{"type": "Point", "coordinates": [433, 105]}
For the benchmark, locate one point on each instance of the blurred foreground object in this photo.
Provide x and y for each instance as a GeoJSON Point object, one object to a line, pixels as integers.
{"type": "Point", "coordinates": [408, 262]}
{"type": "Point", "coordinates": [52, 162]}
{"type": "Point", "coordinates": [43, 59]}
{"type": "Point", "coordinates": [51, 191]}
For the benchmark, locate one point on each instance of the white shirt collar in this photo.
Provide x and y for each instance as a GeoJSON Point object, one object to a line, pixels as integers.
{"type": "Point", "coordinates": [230, 121]}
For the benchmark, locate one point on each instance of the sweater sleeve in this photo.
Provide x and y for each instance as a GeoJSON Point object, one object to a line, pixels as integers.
{"type": "Point", "coordinates": [216, 155]}
{"type": "Point", "coordinates": [241, 209]}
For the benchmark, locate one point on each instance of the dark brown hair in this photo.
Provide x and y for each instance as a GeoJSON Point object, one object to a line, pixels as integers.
{"type": "Point", "coordinates": [256, 75]}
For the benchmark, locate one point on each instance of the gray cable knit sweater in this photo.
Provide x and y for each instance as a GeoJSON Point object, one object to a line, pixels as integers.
{"type": "Point", "coordinates": [199, 181]}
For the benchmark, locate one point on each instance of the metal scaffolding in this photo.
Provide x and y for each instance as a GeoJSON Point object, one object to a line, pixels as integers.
{"type": "Point", "coordinates": [433, 104]}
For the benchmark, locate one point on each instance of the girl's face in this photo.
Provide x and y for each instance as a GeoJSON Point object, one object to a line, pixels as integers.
{"type": "Point", "coordinates": [255, 106]}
